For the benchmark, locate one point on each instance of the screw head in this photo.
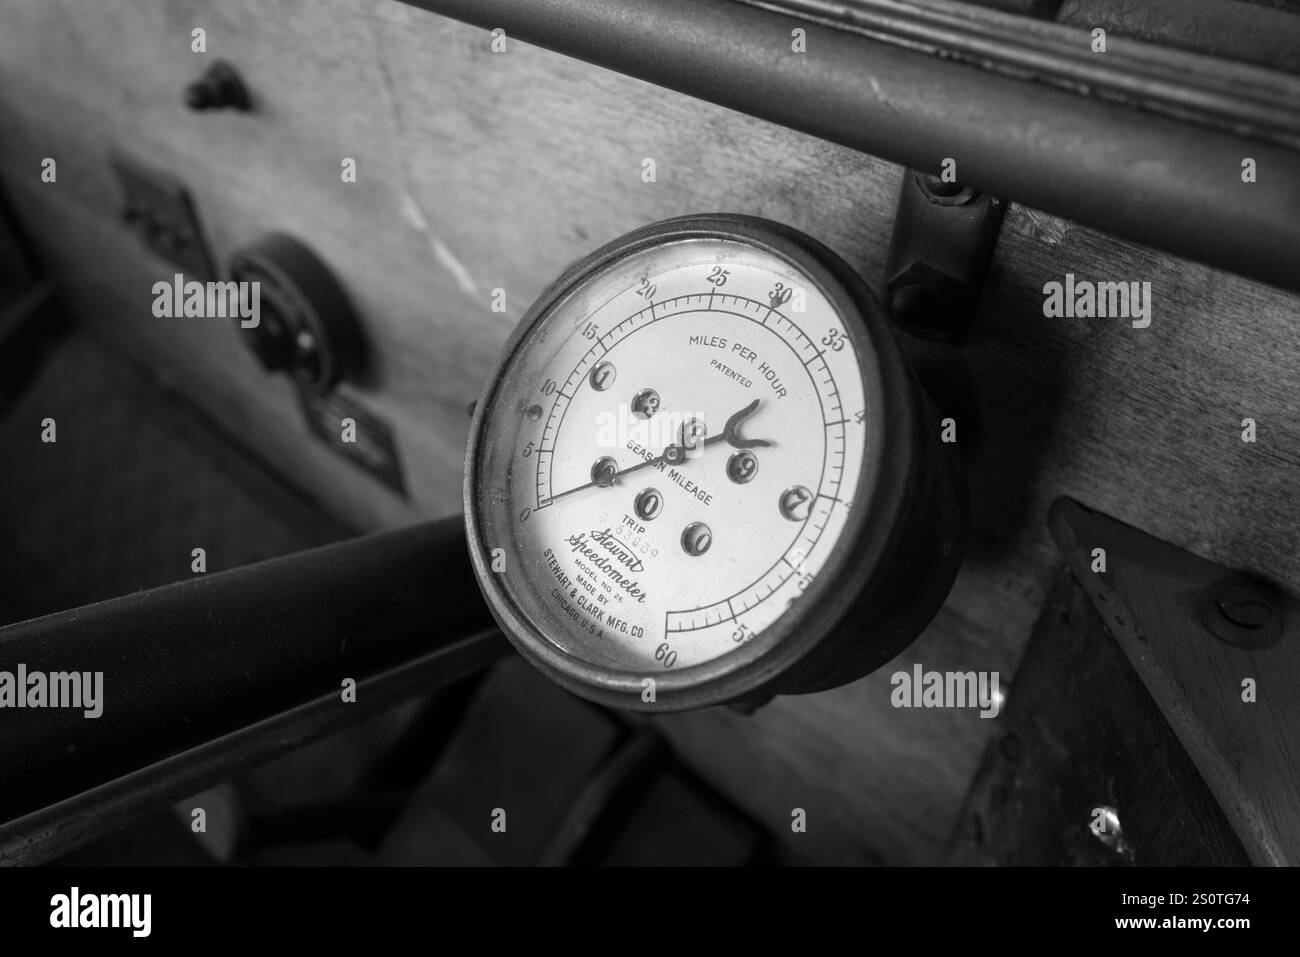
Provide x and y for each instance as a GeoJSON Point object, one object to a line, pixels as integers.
{"type": "Point", "coordinates": [1240, 613]}
{"type": "Point", "coordinates": [1104, 825]}
{"type": "Point", "coordinates": [1244, 607]}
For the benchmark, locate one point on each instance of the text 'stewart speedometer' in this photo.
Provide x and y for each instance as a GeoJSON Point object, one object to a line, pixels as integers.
{"type": "Point", "coordinates": [690, 473]}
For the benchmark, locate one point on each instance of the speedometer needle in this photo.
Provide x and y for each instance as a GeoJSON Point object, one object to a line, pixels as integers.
{"type": "Point", "coordinates": [676, 454]}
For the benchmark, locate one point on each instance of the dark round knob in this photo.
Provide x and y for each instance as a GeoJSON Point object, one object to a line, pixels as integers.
{"type": "Point", "coordinates": [307, 329]}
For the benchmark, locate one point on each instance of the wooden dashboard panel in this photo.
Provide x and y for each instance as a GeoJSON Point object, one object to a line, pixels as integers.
{"type": "Point", "coordinates": [479, 171]}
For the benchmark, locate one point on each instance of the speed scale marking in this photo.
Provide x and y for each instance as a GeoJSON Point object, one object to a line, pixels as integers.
{"type": "Point", "coordinates": [576, 377]}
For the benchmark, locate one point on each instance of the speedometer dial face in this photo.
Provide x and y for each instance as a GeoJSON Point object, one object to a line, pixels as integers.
{"type": "Point", "coordinates": [665, 470]}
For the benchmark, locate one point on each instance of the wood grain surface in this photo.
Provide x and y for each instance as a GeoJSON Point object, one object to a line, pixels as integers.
{"type": "Point", "coordinates": [479, 171]}
{"type": "Point", "coordinates": [1245, 743]}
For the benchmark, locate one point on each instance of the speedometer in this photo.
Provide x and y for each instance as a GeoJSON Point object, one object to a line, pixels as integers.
{"type": "Point", "coordinates": [703, 472]}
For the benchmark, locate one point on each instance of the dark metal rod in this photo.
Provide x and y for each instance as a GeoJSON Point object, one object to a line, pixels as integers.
{"type": "Point", "coordinates": [1157, 79]}
{"type": "Point", "coordinates": [62, 827]}
{"type": "Point", "coordinates": [1249, 33]}
{"type": "Point", "coordinates": [1153, 179]}
{"type": "Point", "coordinates": [189, 663]}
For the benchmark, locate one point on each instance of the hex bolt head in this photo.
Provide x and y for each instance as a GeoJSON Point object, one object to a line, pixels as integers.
{"type": "Point", "coordinates": [937, 190]}
{"type": "Point", "coordinates": [941, 187]}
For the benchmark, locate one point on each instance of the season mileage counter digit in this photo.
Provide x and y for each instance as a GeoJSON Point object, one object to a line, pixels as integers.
{"type": "Point", "coordinates": [693, 455]}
